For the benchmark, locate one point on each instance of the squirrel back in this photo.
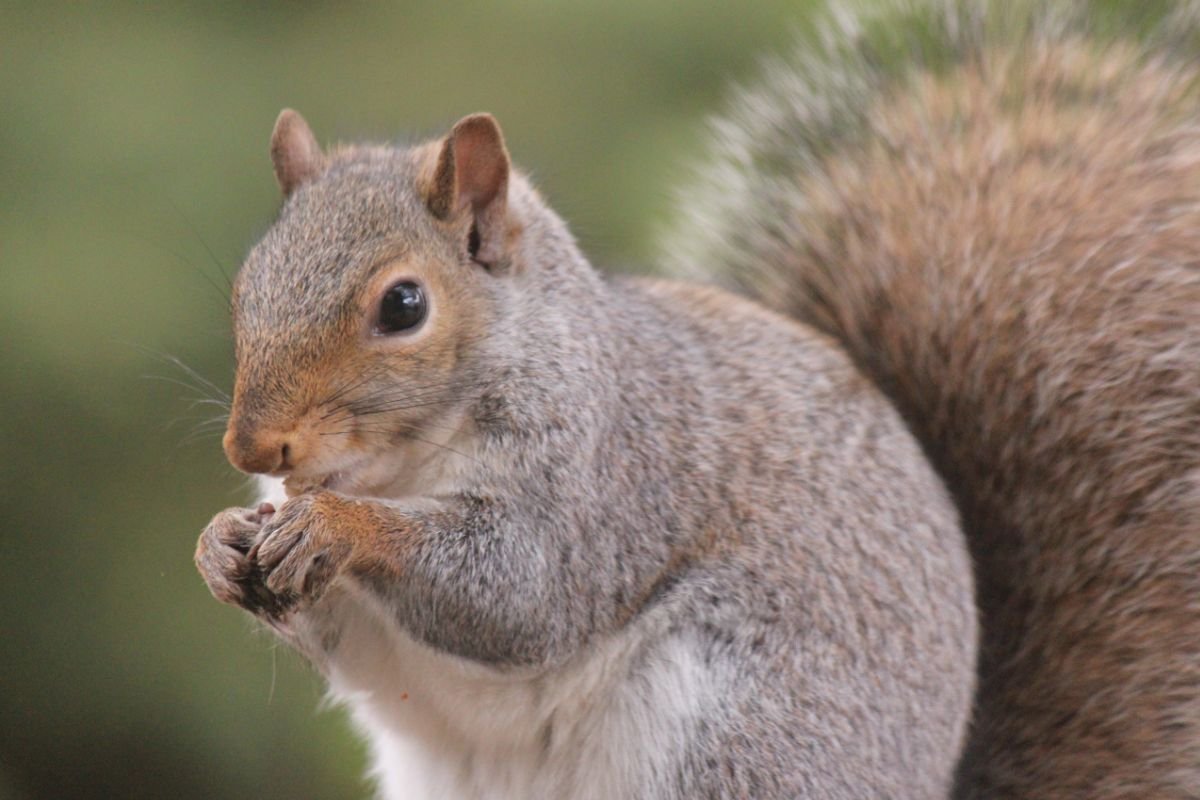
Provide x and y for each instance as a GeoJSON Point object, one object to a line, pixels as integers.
{"type": "Point", "coordinates": [996, 210]}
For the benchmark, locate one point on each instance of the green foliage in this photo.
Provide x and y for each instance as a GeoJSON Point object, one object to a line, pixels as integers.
{"type": "Point", "coordinates": [133, 176]}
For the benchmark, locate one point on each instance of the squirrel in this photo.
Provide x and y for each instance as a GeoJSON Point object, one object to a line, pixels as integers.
{"type": "Point", "coordinates": [909, 508]}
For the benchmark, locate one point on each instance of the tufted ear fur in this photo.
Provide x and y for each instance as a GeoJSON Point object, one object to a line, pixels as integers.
{"type": "Point", "coordinates": [294, 151]}
{"type": "Point", "coordinates": [472, 173]}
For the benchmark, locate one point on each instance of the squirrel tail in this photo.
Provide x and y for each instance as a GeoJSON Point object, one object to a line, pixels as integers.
{"type": "Point", "coordinates": [995, 208]}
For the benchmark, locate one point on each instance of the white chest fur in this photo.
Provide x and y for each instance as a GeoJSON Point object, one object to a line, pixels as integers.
{"type": "Point", "coordinates": [610, 724]}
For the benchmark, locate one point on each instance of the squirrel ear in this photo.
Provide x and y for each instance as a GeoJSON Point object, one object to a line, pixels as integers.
{"type": "Point", "coordinates": [472, 173]}
{"type": "Point", "coordinates": [294, 151]}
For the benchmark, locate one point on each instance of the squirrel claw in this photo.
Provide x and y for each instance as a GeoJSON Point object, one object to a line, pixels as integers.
{"type": "Point", "coordinates": [294, 554]}
{"type": "Point", "coordinates": [221, 554]}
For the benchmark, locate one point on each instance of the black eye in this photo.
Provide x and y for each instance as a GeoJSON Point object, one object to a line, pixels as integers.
{"type": "Point", "coordinates": [402, 308]}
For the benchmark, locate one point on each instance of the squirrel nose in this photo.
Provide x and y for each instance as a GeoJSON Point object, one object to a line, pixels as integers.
{"type": "Point", "coordinates": [256, 452]}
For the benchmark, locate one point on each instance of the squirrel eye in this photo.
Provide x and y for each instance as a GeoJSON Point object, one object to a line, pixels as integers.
{"type": "Point", "coordinates": [403, 308]}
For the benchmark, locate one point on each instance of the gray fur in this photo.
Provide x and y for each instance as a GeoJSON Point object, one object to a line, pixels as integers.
{"type": "Point", "coordinates": [645, 459]}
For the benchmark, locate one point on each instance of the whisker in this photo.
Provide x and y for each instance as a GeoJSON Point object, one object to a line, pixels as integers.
{"type": "Point", "coordinates": [383, 428]}
{"type": "Point", "coordinates": [444, 447]}
{"type": "Point", "coordinates": [352, 431]}
{"type": "Point", "coordinates": [409, 433]}
{"type": "Point", "coordinates": [351, 411]}
{"type": "Point", "coordinates": [412, 399]}
{"type": "Point", "coordinates": [349, 385]}
{"type": "Point", "coordinates": [212, 422]}
{"type": "Point", "coordinates": [197, 436]}
{"type": "Point", "coordinates": [208, 401]}
{"type": "Point", "coordinates": [223, 293]}
{"type": "Point", "coordinates": [203, 384]}
{"type": "Point", "coordinates": [409, 406]}
{"type": "Point", "coordinates": [409, 387]}
{"type": "Point", "coordinates": [204, 400]}
{"type": "Point", "coordinates": [205, 429]}
{"type": "Point", "coordinates": [204, 243]}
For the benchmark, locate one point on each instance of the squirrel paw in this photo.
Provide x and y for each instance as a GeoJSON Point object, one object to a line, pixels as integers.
{"type": "Point", "coordinates": [221, 557]}
{"type": "Point", "coordinates": [297, 553]}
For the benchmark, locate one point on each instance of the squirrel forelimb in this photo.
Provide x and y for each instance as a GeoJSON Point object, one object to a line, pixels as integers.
{"type": "Point", "coordinates": [417, 555]}
{"type": "Point", "coordinates": [306, 545]}
{"type": "Point", "coordinates": [272, 564]}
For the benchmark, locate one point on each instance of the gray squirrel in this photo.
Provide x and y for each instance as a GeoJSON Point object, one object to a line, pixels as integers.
{"type": "Point", "coordinates": [919, 519]}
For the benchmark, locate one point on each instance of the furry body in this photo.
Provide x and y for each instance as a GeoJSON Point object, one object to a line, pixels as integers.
{"type": "Point", "coordinates": [788, 649]}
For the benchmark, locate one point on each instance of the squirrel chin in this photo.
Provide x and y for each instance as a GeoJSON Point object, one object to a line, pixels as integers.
{"type": "Point", "coordinates": [294, 486]}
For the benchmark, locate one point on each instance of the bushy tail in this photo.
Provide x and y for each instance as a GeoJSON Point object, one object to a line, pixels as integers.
{"type": "Point", "coordinates": [996, 210]}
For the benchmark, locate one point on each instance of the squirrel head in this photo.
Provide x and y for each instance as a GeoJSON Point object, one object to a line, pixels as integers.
{"type": "Point", "coordinates": [364, 317]}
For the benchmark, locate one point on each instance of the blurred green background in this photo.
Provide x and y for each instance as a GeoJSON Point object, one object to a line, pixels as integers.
{"type": "Point", "coordinates": [133, 177]}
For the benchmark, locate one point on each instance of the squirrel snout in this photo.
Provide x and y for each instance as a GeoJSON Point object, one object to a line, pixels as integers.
{"type": "Point", "coordinates": [259, 452]}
